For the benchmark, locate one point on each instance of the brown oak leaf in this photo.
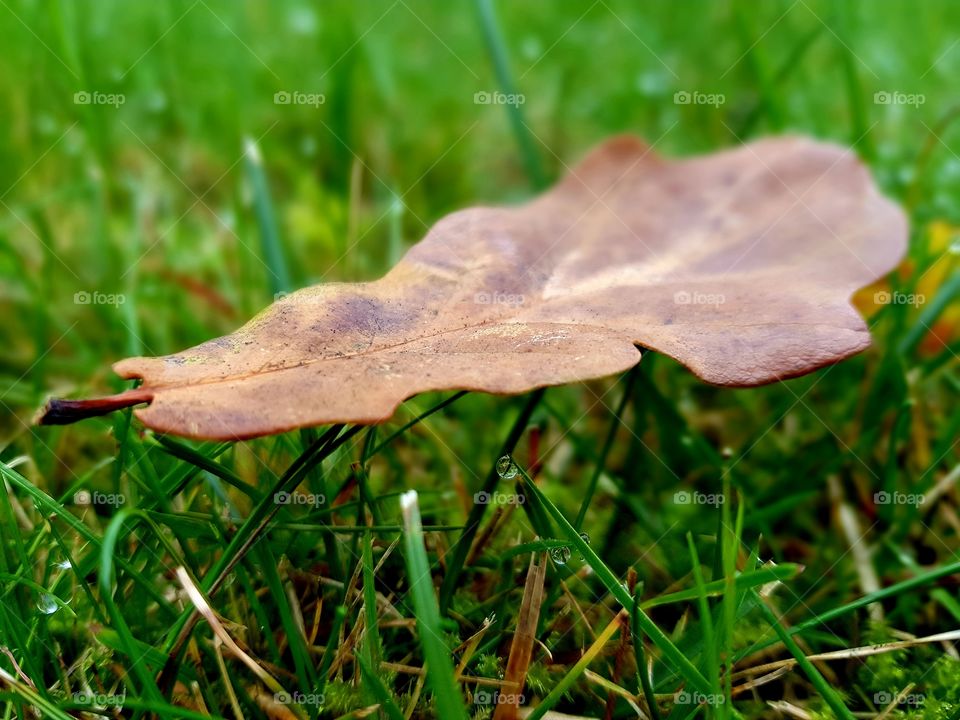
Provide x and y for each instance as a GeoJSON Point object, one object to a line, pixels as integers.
{"type": "Point", "coordinates": [739, 264]}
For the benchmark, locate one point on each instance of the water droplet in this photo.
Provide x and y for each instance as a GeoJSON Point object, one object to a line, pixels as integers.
{"type": "Point", "coordinates": [560, 555]}
{"type": "Point", "coordinates": [585, 538]}
{"type": "Point", "coordinates": [47, 604]}
{"type": "Point", "coordinates": [507, 468]}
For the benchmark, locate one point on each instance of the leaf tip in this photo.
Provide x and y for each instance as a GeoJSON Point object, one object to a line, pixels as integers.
{"type": "Point", "coordinates": [408, 501]}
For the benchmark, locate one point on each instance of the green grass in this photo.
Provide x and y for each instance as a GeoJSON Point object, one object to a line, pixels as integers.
{"type": "Point", "coordinates": [653, 603]}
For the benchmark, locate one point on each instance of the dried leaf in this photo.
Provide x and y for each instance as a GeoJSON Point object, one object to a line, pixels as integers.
{"type": "Point", "coordinates": [739, 264]}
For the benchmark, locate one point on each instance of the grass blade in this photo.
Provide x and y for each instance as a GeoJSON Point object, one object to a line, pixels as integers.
{"type": "Point", "coordinates": [641, 657]}
{"type": "Point", "coordinates": [498, 53]}
{"type": "Point", "coordinates": [372, 680]}
{"type": "Point", "coordinates": [436, 653]}
{"type": "Point", "coordinates": [711, 660]}
{"type": "Point", "coordinates": [274, 260]}
{"type": "Point", "coordinates": [819, 682]}
{"type": "Point", "coordinates": [579, 667]}
{"type": "Point", "coordinates": [616, 588]}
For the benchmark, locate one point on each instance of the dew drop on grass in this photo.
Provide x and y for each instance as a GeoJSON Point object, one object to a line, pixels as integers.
{"type": "Point", "coordinates": [47, 604]}
{"type": "Point", "coordinates": [507, 468]}
{"type": "Point", "coordinates": [560, 555]}
{"type": "Point", "coordinates": [586, 538]}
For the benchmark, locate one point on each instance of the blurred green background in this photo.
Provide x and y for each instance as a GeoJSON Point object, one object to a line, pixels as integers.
{"type": "Point", "coordinates": [166, 168]}
{"type": "Point", "coordinates": [149, 198]}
